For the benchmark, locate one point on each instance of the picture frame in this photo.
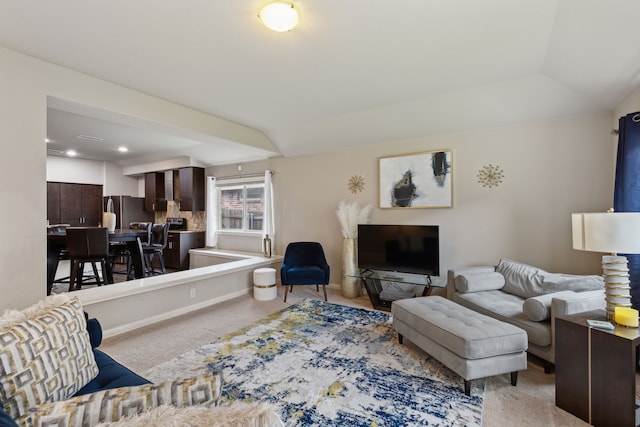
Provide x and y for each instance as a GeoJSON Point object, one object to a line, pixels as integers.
{"type": "Point", "coordinates": [417, 180]}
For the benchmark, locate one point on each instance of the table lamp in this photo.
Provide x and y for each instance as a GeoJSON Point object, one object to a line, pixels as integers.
{"type": "Point", "coordinates": [610, 232]}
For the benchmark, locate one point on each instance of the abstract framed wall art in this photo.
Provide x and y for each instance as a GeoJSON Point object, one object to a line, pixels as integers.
{"type": "Point", "coordinates": [419, 180]}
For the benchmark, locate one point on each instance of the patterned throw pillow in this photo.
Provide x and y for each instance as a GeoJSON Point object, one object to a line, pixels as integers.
{"type": "Point", "coordinates": [235, 415]}
{"type": "Point", "coordinates": [110, 405]}
{"type": "Point", "coordinates": [45, 354]}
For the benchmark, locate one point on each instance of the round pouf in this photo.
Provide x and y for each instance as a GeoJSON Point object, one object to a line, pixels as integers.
{"type": "Point", "coordinates": [264, 284]}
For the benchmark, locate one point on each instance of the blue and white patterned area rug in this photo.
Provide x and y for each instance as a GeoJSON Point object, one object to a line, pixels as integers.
{"type": "Point", "coordinates": [326, 364]}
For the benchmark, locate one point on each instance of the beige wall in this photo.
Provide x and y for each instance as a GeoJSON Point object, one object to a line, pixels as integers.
{"type": "Point", "coordinates": [630, 105]}
{"type": "Point", "coordinates": [25, 83]}
{"type": "Point", "coordinates": [551, 170]}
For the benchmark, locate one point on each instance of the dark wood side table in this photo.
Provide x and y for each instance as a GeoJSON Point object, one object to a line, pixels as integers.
{"type": "Point", "coordinates": [596, 370]}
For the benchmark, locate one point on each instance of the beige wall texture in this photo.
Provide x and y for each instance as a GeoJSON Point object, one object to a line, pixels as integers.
{"type": "Point", "coordinates": [25, 84]}
{"type": "Point", "coordinates": [551, 169]}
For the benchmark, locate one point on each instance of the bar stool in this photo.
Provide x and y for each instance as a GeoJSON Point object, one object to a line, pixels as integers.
{"type": "Point", "coordinates": [120, 249]}
{"type": "Point", "coordinates": [159, 237]}
{"type": "Point", "coordinates": [88, 244]}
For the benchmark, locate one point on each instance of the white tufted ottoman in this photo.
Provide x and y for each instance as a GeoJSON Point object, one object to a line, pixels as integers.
{"type": "Point", "coordinates": [264, 284]}
{"type": "Point", "coordinates": [469, 343]}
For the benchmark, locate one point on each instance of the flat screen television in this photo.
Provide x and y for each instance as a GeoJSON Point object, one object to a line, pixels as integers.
{"type": "Point", "coordinates": [400, 248]}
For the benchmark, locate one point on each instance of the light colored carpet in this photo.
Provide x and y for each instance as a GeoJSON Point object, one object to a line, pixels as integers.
{"type": "Point", "coordinates": [326, 364]}
{"type": "Point", "coordinates": [530, 403]}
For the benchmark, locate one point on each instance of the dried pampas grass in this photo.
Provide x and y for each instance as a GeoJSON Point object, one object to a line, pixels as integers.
{"type": "Point", "coordinates": [349, 216]}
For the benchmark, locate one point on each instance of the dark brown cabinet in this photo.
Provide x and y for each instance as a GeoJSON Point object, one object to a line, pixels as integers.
{"type": "Point", "coordinates": [53, 202]}
{"type": "Point", "coordinates": [91, 196]}
{"type": "Point", "coordinates": [74, 204]}
{"type": "Point", "coordinates": [154, 194]}
{"type": "Point", "coordinates": [176, 254]}
{"type": "Point", "coordinates": [190, 190]}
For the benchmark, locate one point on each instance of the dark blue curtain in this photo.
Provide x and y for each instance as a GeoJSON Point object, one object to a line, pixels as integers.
{"type": "Point", "coordinates": [626, 196]}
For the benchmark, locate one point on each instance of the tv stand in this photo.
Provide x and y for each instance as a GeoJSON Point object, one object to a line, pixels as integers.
{"type": "Point", "coordinates": [392, 278]}
{"type": "Point", "coordinates": [382, 297]}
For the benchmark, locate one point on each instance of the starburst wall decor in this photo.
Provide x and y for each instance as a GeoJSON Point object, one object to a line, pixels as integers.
{"type": "Point", "coordinates": [490, 176]}
{"type": "Point", "coordinates": [355, 184]}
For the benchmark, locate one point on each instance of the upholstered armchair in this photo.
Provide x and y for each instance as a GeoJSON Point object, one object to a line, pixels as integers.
{"type": "Point", "coordinates": [304, 264]}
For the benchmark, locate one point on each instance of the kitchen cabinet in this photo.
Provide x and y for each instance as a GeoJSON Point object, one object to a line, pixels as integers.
{"type": "Point", "coordinates": [74, 204]}
{"type": "Point", "coordinates": [154, 192]}
{"type": "Point", "coordinates": [190, 190]}
{"type": "Point", "coordinates": [176, 253]}
{"type": "Point", "coordinates": [53, 202]}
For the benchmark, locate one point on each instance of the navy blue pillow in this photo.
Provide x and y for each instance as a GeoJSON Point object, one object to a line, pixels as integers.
{"type": "Point", "coordinates": [5, 419]}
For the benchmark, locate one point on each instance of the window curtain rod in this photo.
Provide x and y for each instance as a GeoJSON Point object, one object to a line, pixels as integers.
{"type": "Point", "coordinates": [635, 118]}
{"type": "Point", "coordinates": [249, 175]}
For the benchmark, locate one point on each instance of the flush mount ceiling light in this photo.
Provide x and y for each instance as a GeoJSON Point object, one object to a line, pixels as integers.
{"type": "Point", "coordinates": [279, 16]}
{"type": "Point", "coordinates": [123, 149]}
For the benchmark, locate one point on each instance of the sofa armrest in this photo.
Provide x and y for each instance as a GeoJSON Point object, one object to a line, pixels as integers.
{"type": "Point", "coordinates": [579, 302]}
{"type": "Point", "coordinates": [568, 305]}
{"type": "Point", "coordinates": [452, 274]}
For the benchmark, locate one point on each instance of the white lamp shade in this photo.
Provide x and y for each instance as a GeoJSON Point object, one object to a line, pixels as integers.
{"type": "Point", "coordinates": [615, 232]}
{"type": "Point", "coordinates": [279, 16]}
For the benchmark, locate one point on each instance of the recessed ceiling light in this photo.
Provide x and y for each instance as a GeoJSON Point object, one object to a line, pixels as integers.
{"type": "Point", "coordinates": [123, 149]}
{"type": "Point", "coordinates": [90, 138]}
{"type": "Point", "coordinates": [47, 140]}
{"type": "Point", "coordinates": [71, 153]}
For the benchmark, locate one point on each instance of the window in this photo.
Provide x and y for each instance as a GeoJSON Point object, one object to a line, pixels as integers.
{"type": "Point", "coordinates": [241, 207]}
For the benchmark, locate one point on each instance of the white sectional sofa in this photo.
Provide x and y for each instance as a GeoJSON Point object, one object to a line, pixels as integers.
{"type": "Point", "coordinates": [527, 297]}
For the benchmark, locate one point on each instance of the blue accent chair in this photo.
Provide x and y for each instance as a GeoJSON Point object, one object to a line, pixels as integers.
{"type": "Point", "coordinates": [304, 264]}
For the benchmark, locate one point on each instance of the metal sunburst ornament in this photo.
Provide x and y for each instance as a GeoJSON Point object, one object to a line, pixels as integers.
{"type": "Point", "coordinates": [490, 176]}
{"type": "Point", "coordinates": [355, 184]}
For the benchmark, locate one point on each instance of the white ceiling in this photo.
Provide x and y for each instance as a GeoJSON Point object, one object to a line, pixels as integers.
{"type": "Point", "coordinates": [354, 72]}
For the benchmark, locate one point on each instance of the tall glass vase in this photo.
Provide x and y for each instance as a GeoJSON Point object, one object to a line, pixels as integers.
{"type": "Point", "coordinates": [350, 284]}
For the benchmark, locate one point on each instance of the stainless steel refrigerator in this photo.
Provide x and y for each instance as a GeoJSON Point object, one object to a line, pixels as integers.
{"type": "Point", "coordinates": [128, 209]}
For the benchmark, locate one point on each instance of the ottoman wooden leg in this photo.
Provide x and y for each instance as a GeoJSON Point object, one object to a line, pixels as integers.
{"type": "Point", "coordinates": [514, 378]}
{"type": "Point", "coordinates": [467, 387]}
{"type": "Point", "coordinates": [399, 338]}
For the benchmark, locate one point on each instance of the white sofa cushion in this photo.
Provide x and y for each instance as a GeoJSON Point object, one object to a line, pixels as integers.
{"type": "Point", "coordinates": [555, 282]}
{"type": "Point", "coordinates": [479, 281]}
{"type": "Point", "coordinates": [508, 308]}
{"type": "Point", "coordinates": [527, 281]}
{"type": "Point", "coordinates": [45, 354]}
{"type": "Point", "coordinates": [521, 279]}
{"type": "Point", "coordinates": [539, 308]}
